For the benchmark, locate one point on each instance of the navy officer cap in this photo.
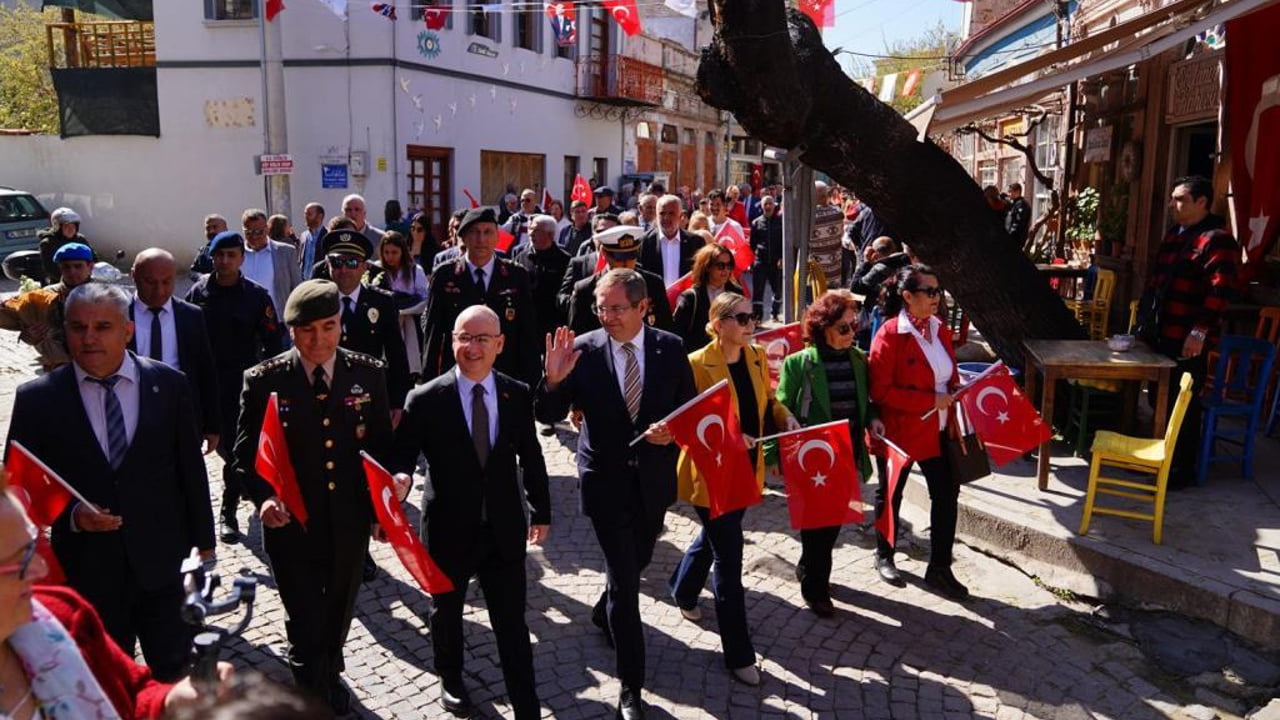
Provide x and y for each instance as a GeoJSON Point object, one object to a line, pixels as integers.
{"type": "Point", "coordinates": [226, 240]}
{"type": "Point", "coordinates": [349, 242]}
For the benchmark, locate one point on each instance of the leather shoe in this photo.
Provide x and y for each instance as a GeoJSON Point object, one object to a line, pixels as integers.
{"type": "Point", "coordinates": [749, 675]}
{"type": "Point", "coordinates": [630, 706]}
{"type": "Point", "coordinates": [942, 580]}
{"type": "Point", "coordinates": [370, 568]}
{"type": "Point", "coordinates": [339, 698]}
{"type": "Point", "coordinates": [454, 698]}
{"type": "Point", "coordinates": [889, 572]}
{"type": "Point", "coordinates": [822, 607]}
{"type": "Point", "coordinates": [693, 614]}
{"type": "Point", "coordinates": [599, 619]}
{"type": "Point", "coordinates": [229, 529]}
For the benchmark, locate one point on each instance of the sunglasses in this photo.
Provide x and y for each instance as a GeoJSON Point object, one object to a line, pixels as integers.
{"type": "Point", "coordinates": [843, 328]}
{"type": "Point", "coordinates": [932, 292]}
{"type": "Point", "coordinates": [742, 319]}
{"type": "Point", "coordinates": [21, 567]}
{"type": "Point", "coordinates": [350, 263]}
{"type": "Point", "coordinates": [722, 266]}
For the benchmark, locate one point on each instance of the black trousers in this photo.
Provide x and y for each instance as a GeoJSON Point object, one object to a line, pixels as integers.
{"type": "Point", "coordinates": [1186, 451]}
{"type": "Point", "coordinates": [944, 500]}
{"type": "Point", "coordinates": [318, 574]}
{"type": "Point", "coordinates": [814, 568]}
{"type": "Point", "coordinates": [503, 583]}
{"type": "Point", "coordinates": [627, 541]}
{"type": "Point", "coordinates": [761, 276]}
{"type": "Point", "coordinates": [133, 616]}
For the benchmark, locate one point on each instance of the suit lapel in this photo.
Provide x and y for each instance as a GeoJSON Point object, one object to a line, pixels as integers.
{"type": "Point", "coordinates": [133, 339]}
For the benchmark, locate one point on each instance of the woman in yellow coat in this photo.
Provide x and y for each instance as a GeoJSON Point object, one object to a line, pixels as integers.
{"type": "Point", "coordinates": [729, 356]}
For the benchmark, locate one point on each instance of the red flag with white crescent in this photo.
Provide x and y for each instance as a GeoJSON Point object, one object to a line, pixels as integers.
{"type": "Point", "coordinates": [413, 555]}
{"type": "Point", "coordinates": [274, 465]}
{"type": "Point", "coordinates": [897, 462]}
{"type": "Point", "coordinates": [822, 12]}
{"type": "Point", "coordinates": [708, 431]}
{"type": "Point", "coordinates": [625, 13]}
{"type": "Point", "coordinates": [47, 495]}
{"type": "Point", "coordinates": [581, 190]}
{"type": "Point", "coordinates": [820, 471]}
{"type": "Point", "coordinates": [505, 241]}
{"type": "Point", "coordinates": [435, 18]}
{"type": "Point", "coordinates": [1002, 416]}
{"type": "Point", "coordinates": [778, 343]}
{"type": "Point", "coordinates": [274, 8]}
{"type": "Point", "coordinates": [547, 199]}
{"type": "Point", "coordinates": [684, 282]}
{"type": "Point", "coordinates": [1252, 70]}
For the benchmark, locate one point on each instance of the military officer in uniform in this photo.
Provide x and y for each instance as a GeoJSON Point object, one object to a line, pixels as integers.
{"type": "Point", "coordinates": [332, 404]}
{"type": "Point", "coordinates": [479, 277]}
{"type": "Point", "coordinates": [621, 248]}
{"type": "Point", "coordinates": [243, 330]}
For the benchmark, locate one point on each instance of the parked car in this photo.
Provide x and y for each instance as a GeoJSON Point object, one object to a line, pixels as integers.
{"type": "Point", "coordinates": [22, 217]}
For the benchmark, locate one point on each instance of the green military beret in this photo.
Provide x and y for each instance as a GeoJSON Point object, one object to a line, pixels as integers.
{"type": "Point", "coordinates": [310, 301]}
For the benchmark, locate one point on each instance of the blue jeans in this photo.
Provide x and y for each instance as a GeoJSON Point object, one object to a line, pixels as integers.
{"type": "Point", "coordinates": [719, 547]}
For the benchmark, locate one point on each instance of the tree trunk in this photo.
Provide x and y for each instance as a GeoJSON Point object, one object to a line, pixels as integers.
{"type": "Point", "coordinates": [768, 66]}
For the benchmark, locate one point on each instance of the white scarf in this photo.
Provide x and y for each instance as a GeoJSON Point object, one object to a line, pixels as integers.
{"type": "Point", "coordinates": [60, 679]}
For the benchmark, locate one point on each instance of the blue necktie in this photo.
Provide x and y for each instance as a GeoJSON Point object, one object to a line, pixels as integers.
{"type": "Point", "coordinates": [117, 440]}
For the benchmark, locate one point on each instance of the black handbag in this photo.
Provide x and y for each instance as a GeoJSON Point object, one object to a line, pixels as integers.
{"type": "Point", "coordinates": [965, 453]}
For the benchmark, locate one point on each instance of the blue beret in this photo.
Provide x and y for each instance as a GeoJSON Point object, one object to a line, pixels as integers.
{"type": "Point", "coordinates": [226, 240]}
{"type": "Point", "coordinates": [73, 251]}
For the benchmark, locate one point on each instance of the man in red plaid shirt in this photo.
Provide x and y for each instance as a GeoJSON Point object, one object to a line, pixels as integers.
{"type": "Point", "coordinates": [1191, 283]}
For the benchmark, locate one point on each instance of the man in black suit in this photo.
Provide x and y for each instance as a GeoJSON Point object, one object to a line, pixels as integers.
{"type": "Point", "coordinates": [480, 277]}
{"type": "Point", "coordinates": [472, 424]}
{"type": "Point", "coordinates": [625, 379]}
{"type": "Point", "coordinates": [620, 246]}
{"type": "Point", "coordinates": [332, 404]}
{"type": "Point", "coordinates": [583, 265]}
{"type": "Point", "coordinates": [121, 429]}
{"type": "Point", "coordinates": [668, 251]}
{"type": "Point", "coordinates": [545, 262]}
{"type": "Point", "coordinates": [172, 331]}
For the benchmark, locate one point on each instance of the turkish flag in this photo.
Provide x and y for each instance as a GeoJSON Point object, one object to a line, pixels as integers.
{"type": "Point", "coordinates": [273, 463]}
{"type": "Point", "coordinates": [730, 236]}
{"type": "Point", "coordinates": [1002, 416]}
{"type": "Point", "coordinates": [602, 262]}
{"type": "Point", "coordinates": [273, 9]}
{"type": "Point", "coordinates": [1252, 113]}
{"type": "Point", "coordinates": [547, 200]}
{"type": "Point", "coordinates": [680, 285]}
{"type": "Point", "coordinates": [897, 462]}
{"type": "Point", "coordinates": [822, 12]}
{"type": "Point", "coordinates": [778, 343]}
{"type": "Point", "coordinates": [821, 476]}
{"type": "Point", "coordinates": [913, 79]}
{"type": "Point", "coordinates": [435, 18]}
{"type": "Point", "coordinates": [505, 241]}
{"type": "Point", "coordinates": [412, 554]}
{"type": "Point", "coordinates": [625, 13]}
{"type": "Point", "coordinates": [581, 190]}
{"type": "Point", "coordinates": [707, 429]}
{"type": "Point", "coordinates": [47, 494]}
{"type": "Point", "coordinates": [471, 198]}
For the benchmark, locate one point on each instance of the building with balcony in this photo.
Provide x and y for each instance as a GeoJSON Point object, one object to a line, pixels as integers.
{"type": "Point", "coordinates": [164, 117]}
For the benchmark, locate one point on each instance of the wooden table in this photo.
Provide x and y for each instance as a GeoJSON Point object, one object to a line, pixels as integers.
{"type": "Point", "coordinates": [1091, 360]}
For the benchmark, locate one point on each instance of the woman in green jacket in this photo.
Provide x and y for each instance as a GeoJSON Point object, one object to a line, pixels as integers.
{"type": "Point", "coordinates": [824, 382]}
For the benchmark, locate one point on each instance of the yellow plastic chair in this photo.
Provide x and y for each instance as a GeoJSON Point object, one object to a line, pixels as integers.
{"type": "Point", "coordinates": [1133, 316]}
{"type": "Point", "coordinates": [1093, 313]}
{"type": "Point", "coordinates": [817, 282]}
{"type": "Point", "coordinates": [1153, 456]}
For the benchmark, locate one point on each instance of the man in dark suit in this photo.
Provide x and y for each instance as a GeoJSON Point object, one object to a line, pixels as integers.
{"type": "Point", "coordinates": [766, 243]}
{"type": "Point", "coordinates": [583, 265]}
{"type": "Point", "coordinates": [172, 331]}
{"type": "Point", "coordinates": [545, 262]}
{"type": "Point", "coordinates": [472, 424]}
{"type": "Point", "coordinates": [121, 429]}
{"type": "Point", "coordinates": [480, 277]}
{"type": "Point", "coordinates": [332, 404]}
{"type": "Point", "coordinates": [625, 379]}
{"type": "Point", "coordinates": [667, 250]}
{"type": "Point", "coordinates": [620, 246]}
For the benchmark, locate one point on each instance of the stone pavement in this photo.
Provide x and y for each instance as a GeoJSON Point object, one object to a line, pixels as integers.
{"type": "Point", "coordinates": [1016, 650]}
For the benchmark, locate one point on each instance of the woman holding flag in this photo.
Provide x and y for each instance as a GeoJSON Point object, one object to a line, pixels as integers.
{"type": "Point", "coordinates": [913, 376]}
{"type": "Point", "coordinates": [711, 273]}
{"type": "Point", "coordinates": [827, 381]}
{"type": "Point", "coordinates": [730, 356]}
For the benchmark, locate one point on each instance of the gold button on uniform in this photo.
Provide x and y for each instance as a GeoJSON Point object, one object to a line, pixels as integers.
{"type": "Point", "coordinates": [332, 486]}
{"type": "Point", "coordinates": [325, 422]}
{"type": "Point", "coordinates": [328, 443]}
{"type": "Point", "coordinates": [328, 465]}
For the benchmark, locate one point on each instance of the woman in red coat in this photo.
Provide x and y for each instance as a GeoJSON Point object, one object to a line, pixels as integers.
{"type": "Point", "coordinates": [913, 372]}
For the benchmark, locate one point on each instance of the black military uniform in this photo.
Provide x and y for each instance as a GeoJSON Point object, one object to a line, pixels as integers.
{"type": "Point", "coordinates": [507, 292]}
{"type": "Point", "coordinates": [620, 244]}
{"type": "Point", "coordinates": [546, 268]}
{"type": "Point", "coordinates": [326, 424]}
{"type": "Point", "coordinates": [243, 330]}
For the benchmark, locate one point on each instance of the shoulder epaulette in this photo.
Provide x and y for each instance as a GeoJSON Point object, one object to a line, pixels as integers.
{"type": "Point", "coordinates": [272, 365]}
{"type": "Point", "coordinates": [354, 359]}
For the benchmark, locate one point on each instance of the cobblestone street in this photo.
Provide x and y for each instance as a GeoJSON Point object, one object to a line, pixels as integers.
{"type": "Point", "coordinates": [1015, 650]}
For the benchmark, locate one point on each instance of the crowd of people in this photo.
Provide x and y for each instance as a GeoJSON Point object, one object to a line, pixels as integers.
{"type": "Point", "coordinates": [444, 358]}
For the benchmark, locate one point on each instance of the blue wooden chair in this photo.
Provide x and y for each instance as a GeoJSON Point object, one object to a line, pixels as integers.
{"type": "Point", "coordinates": [1239, 386]}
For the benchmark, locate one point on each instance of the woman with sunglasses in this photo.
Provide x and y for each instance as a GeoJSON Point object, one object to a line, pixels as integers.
{"type": "Point", "coordinates": [712, 267]}
{"type": "Point", "coordinates": [422, 244]}
{"type": "Point", "coordinates": [729, 356]}
{"type": "Point", "coordinates": [913, 373]}
{"type": "Point", "coordinates": [54, 629]}
{"type": "Point", "coordinates": [827, 381]}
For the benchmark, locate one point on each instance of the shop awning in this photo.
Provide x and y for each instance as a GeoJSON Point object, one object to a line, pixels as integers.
{"type": "Point", "coordinates": [992, 95]}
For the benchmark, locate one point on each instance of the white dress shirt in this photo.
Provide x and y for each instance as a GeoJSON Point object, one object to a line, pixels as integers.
{"type": "Point", "coordinates": [670, 248]}
{"type": "Point", "coordinates": [620, 361]}
{"type": "Point", "coordinates": [488, 271]}
{"type": "Point", "coordinates": [94, 397]}
{"type": "Point", "coordinates": [490, 400]}
{"type": "Point", "coordinates": [168, 332]}
{"type": "Point", "coordinates": [355, 300]}
{"type": "Point", "coordinates": [936, 353]}
{"type": "Point", "coordinates": [259, 266]}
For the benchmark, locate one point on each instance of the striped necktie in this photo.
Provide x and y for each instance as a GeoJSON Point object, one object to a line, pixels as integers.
{"type": "Point", "coordinates": [117, 439]}
{"type": "Point", "coordinates": [631, 382]}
